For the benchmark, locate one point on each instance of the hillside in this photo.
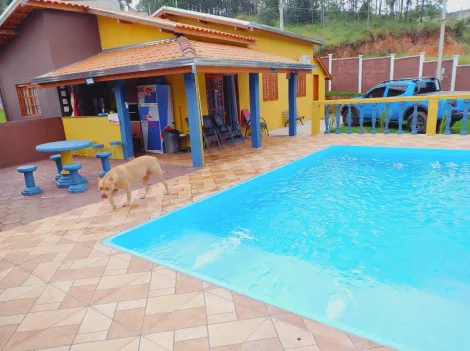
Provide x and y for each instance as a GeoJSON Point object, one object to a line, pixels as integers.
{"type": "Point", "coordinates": [384, 36]}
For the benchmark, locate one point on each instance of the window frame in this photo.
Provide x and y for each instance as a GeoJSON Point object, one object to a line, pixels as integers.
{"type": "Point", "coordinates": [28, 92]}
{"type": "Point", "coordinates": [270, 87]}
{"type": "Point", "coordinates": [301, 85]}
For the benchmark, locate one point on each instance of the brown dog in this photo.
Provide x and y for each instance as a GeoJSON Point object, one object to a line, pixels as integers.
{"type": "Point", "coordinates": [123, 176]}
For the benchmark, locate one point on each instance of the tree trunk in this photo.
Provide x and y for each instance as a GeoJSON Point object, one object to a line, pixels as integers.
{"type": "Point", "coordinates": [380, 8]}
{"type": "Point", "coordinates": [422, 10]}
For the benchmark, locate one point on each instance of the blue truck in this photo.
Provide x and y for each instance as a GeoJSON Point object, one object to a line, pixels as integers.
{"type": "Point", "coordinates": [406, 87]}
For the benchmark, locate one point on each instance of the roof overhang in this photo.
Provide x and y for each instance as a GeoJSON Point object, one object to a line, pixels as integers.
{"type": "Point", "coordinates": [22, 8]}
{"type": "Point", "coordinates": [175, 66]}
{"type": "Point", "coordinates": [165, 10]}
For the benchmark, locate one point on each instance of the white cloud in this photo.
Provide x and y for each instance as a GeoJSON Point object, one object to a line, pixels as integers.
{"type": "Point", "coordinates": [456, 5]}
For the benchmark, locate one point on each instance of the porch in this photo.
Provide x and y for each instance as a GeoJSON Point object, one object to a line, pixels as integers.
{"type": "Point", "coordinates": [184, 65]}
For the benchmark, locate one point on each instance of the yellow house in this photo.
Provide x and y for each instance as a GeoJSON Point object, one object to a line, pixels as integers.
{"type": "Point", "coordinates": [214, 66]}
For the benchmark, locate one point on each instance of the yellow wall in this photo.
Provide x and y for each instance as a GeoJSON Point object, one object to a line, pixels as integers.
{"type": "Point", "coordinates": [272, 111]}
{"type": "Point", "coordinates": [96, 129]}
{"type": "Point", "coordinates": [114, 34]}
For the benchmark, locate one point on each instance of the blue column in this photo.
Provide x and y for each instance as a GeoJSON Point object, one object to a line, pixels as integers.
{"type": "Point", "coordinates": [293, 104]}
{"type": "Point", "coordinates": [254, 111]}
{"type": "Point", "coordinates": [124, 119]}
{"type": "Point", "coordinates": [195, 131]}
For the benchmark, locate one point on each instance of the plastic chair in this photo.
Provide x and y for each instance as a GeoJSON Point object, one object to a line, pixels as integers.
{"type": "Point", "coordinates": [263, 125]}
{"type": "Point", "coordinates": [224, 130]}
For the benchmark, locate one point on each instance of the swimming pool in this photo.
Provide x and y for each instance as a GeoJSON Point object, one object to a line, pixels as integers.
{"type": "Point", "coordinates": [375, 241]}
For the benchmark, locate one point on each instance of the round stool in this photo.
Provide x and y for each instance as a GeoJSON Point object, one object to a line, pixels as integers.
{"type": "Point", "coordinates": [114, 145]}
{"type": "Point", "coordinates": [104, 156]}
{"type": "Point", "coordinates": [97, 147]}
{"type": "Point", "coordinates": [77, 184]}
{"type": "Point", "coordinates": [58, 163]}
{"type": "Point", "coordinates": [31, 188]}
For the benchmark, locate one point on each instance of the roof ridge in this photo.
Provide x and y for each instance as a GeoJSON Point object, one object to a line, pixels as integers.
{"type": "Point", "coordinates": [186, 47]}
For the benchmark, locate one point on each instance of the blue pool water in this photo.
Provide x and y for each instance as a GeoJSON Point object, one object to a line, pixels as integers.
{"type": "Point", "coordinates": [375, 241]}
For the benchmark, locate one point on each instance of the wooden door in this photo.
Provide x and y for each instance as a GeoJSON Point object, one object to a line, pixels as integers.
{"type": "Point", "coordinates": [215, 94]}
{"type": "Point", "coordinates": [316, 86]}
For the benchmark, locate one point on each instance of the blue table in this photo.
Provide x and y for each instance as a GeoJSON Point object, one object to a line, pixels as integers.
{"type": "Point", "coordinates": [65, 149]}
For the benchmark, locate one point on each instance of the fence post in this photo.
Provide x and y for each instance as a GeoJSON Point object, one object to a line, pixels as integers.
{"type": "Point", "coordinates": [455, 63]}
{"type": "Point", "coordinates": [421, 64]}
{"type": "Point", "coordinates": [432, 117]}
{"type": "Point", "coordinates": [316, 118]}
{"type": "Point", "coordinates": [359, 75]}
{"type": "Point", "coordinates": [392, 65]}
{"type": "Point", "coordinates": [330, 68]}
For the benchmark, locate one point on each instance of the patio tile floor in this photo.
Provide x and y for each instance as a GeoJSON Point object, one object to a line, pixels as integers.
{"type": "Point", "coordinates": [61, 289]}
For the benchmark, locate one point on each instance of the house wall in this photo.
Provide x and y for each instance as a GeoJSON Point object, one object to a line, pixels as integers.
{"type": "Point", "coordinates": [46, 40]}
{"type": "Point", "coordinates": [272, 111]}
{"type": "Point", "coordinates": [114, 34]}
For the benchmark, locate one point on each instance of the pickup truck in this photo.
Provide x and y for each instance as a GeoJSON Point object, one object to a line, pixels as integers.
{"type": "Point", "coordinates": [406, 87]}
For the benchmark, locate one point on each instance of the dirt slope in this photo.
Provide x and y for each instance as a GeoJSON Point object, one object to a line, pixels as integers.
{"type": "Point", "coordinates": [408, 43]}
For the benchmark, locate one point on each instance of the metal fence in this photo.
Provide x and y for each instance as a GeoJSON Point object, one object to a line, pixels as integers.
{"type": "Point", "coordinates": [422, 114]}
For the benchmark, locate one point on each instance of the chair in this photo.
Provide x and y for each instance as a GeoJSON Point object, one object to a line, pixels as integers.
{"type": "Point", "coordinates": [298, 118]}
{"type": "Point", "coordinates": [237, 131]}
{"type": "Point", "coordinates": [77, 185]}
{"type": "Point", "coordinates": [104, 157]}
{"type": "Point", "coordinates": [58, 163]}
{"type": "Point", "coordinates": [224, 130]}
{"type": "Point", "coordinates": [114, 146]}
{"type": "Point", "coordinates": [31, 188]}
{"type": "Point", "coordinates": [209, 130]}
{"type": "Point", "coordinates": [263, 125]}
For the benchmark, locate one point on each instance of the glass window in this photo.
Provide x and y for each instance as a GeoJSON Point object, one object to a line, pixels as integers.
{"type": "Point", "coordinates": [376, 93]}
{"type": "Point", "coordinates": [29, 100]}
{"type": "Point", "coordinates": [396, 90]}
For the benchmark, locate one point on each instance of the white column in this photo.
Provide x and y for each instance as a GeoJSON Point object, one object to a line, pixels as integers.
{"type": "Point", "coordinates": [359, 75]}
{"type": "Point", "coordinates": [455, 63]}
{"type": "Point", "coordinates": [330, 68]}
{"type": "Point", "coordinates": [392, 65]}
{"type": "Point", "coordinates": [421, 64]}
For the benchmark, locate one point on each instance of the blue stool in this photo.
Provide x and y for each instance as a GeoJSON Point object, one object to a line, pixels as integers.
{"type": "Point", "coordinates": [114, 145]}
{"type": "Point", "coordinates": [58, 164]}
{"type": "Point", "coordinates": [77, 185]}
{"type": "Point", "coordinates": [104, 156]}
{"type": "Point", "coordinates": [98, 147]}
{"type": "Point", "coordinates": [31, 188]}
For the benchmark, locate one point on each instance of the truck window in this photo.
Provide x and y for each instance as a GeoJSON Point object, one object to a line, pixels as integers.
{"type": "Point", "coordinates": [376, 93]}
{"type": "Point", "coordinates": [396, 90]}
{"type": "Point", "coordinates": [425, 88]}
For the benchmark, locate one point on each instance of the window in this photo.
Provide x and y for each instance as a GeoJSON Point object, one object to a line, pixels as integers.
{"type": "Point", "coordinates": [270, 87]}
{"type": "Point", "coordinates": [301, 85]}
{"type": "Point", "coordinates": [426, 87]}
{"type": "Point", "coordinates": [376, 93]}
{"type": "Point", "coordinates": [397, 90]}
{"type": "Point", "coordinates": [29, 100]}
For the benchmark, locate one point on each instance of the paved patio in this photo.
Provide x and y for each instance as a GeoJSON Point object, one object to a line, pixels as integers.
{"type": "Point", "coordinates": [62, 290]}
{"type": "Point", "coordinates": [16, 209]}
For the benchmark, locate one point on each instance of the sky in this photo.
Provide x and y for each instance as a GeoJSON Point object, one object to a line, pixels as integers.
{"type": "Point", "coordinates": [456, 5]}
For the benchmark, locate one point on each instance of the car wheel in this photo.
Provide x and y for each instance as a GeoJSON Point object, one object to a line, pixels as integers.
{"type": "Point", "coordinates": [354, 117]}
{"type": "Point", "coordinates": [420, 122]}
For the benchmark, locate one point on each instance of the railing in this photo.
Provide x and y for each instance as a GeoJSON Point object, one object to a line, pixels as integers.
{"type": "Point", "coordinates": [434, 102]}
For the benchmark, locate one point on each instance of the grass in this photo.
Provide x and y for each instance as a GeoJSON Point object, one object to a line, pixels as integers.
{"type": "Point", "coordinates": [3, 118]}
{"type": "Point", "coordinates": [463, 60]}
{"type": "Point", "coordinates": [393, 128]}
